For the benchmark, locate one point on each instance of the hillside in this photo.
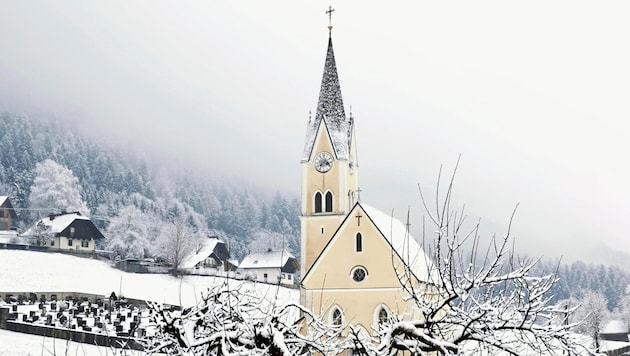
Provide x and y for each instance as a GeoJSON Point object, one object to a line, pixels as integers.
{"type": "Point", "coordinates": [37, 271]}
{"type": "Point", "coordinates": [114, 176]}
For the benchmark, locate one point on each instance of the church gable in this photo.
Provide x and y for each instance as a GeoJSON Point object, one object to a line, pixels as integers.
{"type": "Point", "coordinates": [358, 256]}
{"type": "Point", "coordinates": [322, 141]}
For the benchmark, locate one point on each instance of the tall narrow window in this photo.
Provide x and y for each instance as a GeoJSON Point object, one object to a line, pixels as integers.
{"type": "Point", "coordinates": [336, 317]}
{"type": "Point", "coordinates": [329, 202]}
{"type": "Point", "coordinates": [382, 315]}
{"type": "Point", "coordinates": [359, 242]}
{"type": "Point", "coordinates": [318, 202]}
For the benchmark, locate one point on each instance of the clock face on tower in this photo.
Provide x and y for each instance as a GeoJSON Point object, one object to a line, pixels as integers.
{"type": "Point", "coordinates": [323, 162]}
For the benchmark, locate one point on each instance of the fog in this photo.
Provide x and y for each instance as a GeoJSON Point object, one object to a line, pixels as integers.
{"type": "Point", "coordinates": [532, 95]}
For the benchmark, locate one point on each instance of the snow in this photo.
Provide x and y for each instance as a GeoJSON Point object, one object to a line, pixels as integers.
{"type": "Point", "coordinates": [405, 245]}
{"type": "Point", "coordinates": [270, 259]}
{"type": "Point", "coordinates": [615, 326]}
{"type": "Point", "coordinates": [206, 250]}
{"type": "Point", "coordinates": [330, 110]}
{"type": "Point", "coordinates": [58, 223]}
{"type": "Point", "coordinates": [3, 198]}
{"type": "Point", "coordinates": [26, 271]}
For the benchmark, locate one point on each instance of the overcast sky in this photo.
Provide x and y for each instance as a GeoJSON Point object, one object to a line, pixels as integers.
{"type": "Point", "coordinates": [534, 95]}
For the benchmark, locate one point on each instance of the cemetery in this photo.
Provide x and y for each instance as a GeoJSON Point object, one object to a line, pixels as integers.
{"type": "Point", "coordinates": [99, 320]}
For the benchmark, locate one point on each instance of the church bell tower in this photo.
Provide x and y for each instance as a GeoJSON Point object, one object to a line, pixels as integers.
{"type": "Point", "coordinates": [329, 165]}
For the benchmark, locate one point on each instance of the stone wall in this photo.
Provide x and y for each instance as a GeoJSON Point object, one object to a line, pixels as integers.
{"type": "Point", "coordinates": [74, 335]}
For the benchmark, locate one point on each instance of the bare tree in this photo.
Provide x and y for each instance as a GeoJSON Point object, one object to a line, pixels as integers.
{"type": "Point", "coordinates": [625, 308]}
{"type": "Point", "coordinates": [475, 300]}
{"type": "Point", "coordinates": [241, 321]}
{"type": "Point", "coordinates": [176, 242]}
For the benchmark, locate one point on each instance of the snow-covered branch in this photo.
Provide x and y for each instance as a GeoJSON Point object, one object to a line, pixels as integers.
{"type": "Point", "coordinates": [240, 321]}
{"type": "Point", "coordinates": [476, 301]}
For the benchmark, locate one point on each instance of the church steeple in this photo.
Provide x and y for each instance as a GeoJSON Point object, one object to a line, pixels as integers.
{"type": "Point", "coordinates": [329, 164]}
{"type": "Point", "coordinates": [330, 109]}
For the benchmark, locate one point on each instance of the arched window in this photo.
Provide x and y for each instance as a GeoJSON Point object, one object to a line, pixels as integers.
{"type": "Point", "coordinates": [359, 242]}
{"type": "Point", "coordinates": [383, 315]}
{"type": "Point", "coordinates": [329, 202]}
{"type": "Point", "coordinates": [336, 317]}
{"type": "Point", "coordinates": [318, 202]}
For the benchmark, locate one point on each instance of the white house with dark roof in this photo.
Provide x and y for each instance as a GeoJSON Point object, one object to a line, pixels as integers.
{"type": "Point", "coordinates": [65, 231]}
{"type": "Point", "coordinates": [212, 257]}
{"type": "Point", "coordinates": [270, 267]}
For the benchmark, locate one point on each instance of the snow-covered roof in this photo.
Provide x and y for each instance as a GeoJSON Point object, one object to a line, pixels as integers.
{"type": "Point", "coordinates": [3, 198]}
{"type": "Point", "coordinates": [403, 243]}
{"type": "Point", "coordinates": [615, 326]}
{"type": "Point", "coordinates": [269, 259]}
{"type": "Point", "coordinates": [206, 250]}
{"type": "Point", "coordinates": [330, 110]}
{"type": "Point", "coordinates": [58, 223]}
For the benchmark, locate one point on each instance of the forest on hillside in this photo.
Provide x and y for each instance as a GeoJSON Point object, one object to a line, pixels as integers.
{"type": "Point", "coordinates": [130, 198]}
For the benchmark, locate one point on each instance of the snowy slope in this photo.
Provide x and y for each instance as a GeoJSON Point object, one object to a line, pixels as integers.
{"type": "Point", "coordinates": [39, 271]}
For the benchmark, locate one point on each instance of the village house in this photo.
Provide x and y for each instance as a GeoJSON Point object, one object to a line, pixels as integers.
{"type": "Point", "coordinates": [211, 258]}
{"type": "Point", "coordinates": [276, 267]}
{"type": "Point", "coordinates": [65, 231]}
{"type": "Point", "coordinates": [7, 214]}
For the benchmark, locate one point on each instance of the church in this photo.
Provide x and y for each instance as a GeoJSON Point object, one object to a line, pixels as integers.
{"type": "Point", "coordinates": [354, 258]}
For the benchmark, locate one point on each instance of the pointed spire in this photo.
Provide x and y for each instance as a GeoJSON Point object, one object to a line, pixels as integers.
{"type": "Point", "coordinates": [330, 107]}
{"type": "Point", "coordinates": [330, 104]}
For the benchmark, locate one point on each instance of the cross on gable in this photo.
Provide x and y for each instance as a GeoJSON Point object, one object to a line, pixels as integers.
{"type": "Point", "coordinates": [359, 216]}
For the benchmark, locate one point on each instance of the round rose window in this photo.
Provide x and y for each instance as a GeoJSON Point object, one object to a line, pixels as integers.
{"type": "Point", "coordinates": [359, 274]}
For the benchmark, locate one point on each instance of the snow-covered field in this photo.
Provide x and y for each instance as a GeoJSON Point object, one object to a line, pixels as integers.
{"type": "Point", "coordinates": [26, 271]}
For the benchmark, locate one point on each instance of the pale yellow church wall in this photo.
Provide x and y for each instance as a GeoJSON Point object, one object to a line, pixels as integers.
{"type": "Point", "coordinates": [359, 307]}
{"type": "Point", "coordinates": [319, 230]}
{"type": "Point", "coordinates": [340, 258]}
{"type": "Point", "coordinates": [315, 181]}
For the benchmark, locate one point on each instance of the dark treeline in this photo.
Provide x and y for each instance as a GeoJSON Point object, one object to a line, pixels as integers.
{"type": "Point", "coordinates": [577, 277]}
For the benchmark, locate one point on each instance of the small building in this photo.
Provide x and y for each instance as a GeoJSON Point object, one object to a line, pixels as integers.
{"type": "Point", "coordinates": [615, 330]}
{"type": "Point", "coordinates": [277, 267]}
{"type": "Point", "coordinates": [212, 258]}
{"type": "Point", "coordinates": [143, 265]}
{"type": "Point", "coordinates": [7, 214]}
{"type": "Point", "coordinates": [65, 231]}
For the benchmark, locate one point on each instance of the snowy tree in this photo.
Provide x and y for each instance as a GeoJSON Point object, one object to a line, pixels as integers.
{"type": "Point", "coordinates": [127, 234]}
{"type": "Point", "coordinates": [262, 240]}
{"type": "Point", "coordinates": [42, 234]}
{"type": "Point", "coordinates": [241, 321]}
{"type": "Point", "coordinates": [594, 312]}
{"type": "Point", "coordinates": [473, 302]}
{"type": "Point", "coordinates": [625, 308]}
{"type": "Point", "coordinates": [55, 189]}
{"type": "Point", "coordinates": [175, 243]}
{"type": "Point", "coordinates": [181, 233]}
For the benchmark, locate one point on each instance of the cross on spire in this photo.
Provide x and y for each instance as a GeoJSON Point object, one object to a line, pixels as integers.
{"type": "Point", "coordinates": [329, 12]}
